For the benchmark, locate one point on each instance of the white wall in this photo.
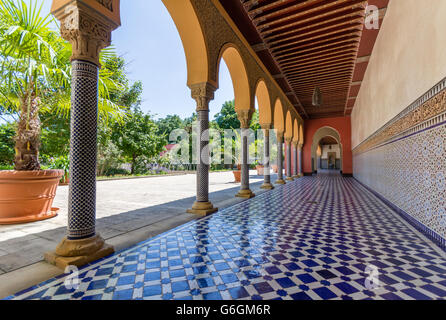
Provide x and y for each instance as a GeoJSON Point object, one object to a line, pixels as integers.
{"type": "Point", "coordinates": [334, 148]}
{"type": "Point", "coordinates": [408, 59]}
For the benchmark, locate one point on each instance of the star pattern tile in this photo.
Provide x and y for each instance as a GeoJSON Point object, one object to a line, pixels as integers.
{"type": "Point", "coordinates": [315, 238]}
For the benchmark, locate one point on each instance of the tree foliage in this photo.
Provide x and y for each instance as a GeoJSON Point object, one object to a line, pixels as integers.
{"type": "Point", "coordinates": [137, 136]}
{"type": "Point", "coordinates": [227, 117]}
{"type": "Point", "coordinates": [7, 132]}
{"type": "Point", "coordinates": [35, 76]}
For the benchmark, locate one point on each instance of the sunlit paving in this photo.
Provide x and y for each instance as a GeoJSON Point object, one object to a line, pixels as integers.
{"type": "Point", "coordinates": [222, 150]}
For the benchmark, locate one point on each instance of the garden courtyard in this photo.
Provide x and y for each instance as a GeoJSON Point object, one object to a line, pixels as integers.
{"type": "Point", "coordinates": [128, 212]}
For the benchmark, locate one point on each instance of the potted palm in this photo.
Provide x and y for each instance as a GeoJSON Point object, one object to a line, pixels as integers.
{"type": "Point", "coordinates": [34, 78]}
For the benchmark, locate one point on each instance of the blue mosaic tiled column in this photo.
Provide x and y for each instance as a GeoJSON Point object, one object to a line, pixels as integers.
{"type": "Point", "coordinates": [280, 158]}
{"type": "Point", "coordinates": [203, 163]}
{"type": "Point", "coordinates": [288, 160]}
{"type": "Point", "coordinates": [300, 159]}
{"type": "Point", "coordinates": [83, 145]}
{"type": "Point", "coordinates": [296, 170]}
{"type": "Point", "coordinates": [266, 160]}
{"type": "Point", "coordinates": [203, 93]}
{"type": "Point", "coordinates": [88, 31]}
{"type": "Point", "coordinates": [244, 117]}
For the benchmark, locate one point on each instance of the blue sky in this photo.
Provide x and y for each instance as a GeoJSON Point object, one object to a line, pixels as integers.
{"type": "Point", "coordinates": [151, 46]}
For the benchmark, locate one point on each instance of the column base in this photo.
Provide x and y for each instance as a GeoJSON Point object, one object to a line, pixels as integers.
{"type": "Point", "coordinates": [280, 181]}
{"type": "Point", "coordinates": [289, 179]}
{"type": "Point", "coordinates": [78, 252]}
{"type": "Point", "coordinates": [246, 193]}
{"type": "Point", "coordinates": [267, 186]}
{"type": "Point", "coordinates": [297, 177]}
{"type": "Point", "coordinates": [202, 208]}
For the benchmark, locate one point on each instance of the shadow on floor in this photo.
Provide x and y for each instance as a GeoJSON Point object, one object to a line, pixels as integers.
{"type": "Point", "coordinates": [121, 230]}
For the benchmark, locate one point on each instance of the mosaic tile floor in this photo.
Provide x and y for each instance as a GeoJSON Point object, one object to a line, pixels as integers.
{"type": "Point", "coordinates": [310, 239]}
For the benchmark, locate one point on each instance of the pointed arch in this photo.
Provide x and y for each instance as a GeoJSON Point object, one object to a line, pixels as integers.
{"type": "Point", "coordinates": [193, 40]}
{"type": "Point", "coordinates": [288, 125]}
{"type": "Point", "coordinates": [279, 121]}
{"type": "Point", "coordinates": [264, 102]}
{"type": "Point", "coordinates": [301, 134]}
{"type": "Point", "coordinates": [239, 76]}
{"type": "Point", "coordinates": [296, 131]}
{"type": "Point", "coordinates": [325, 131]}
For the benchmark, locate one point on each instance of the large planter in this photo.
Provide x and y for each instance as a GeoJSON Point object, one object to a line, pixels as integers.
{"type": "Point", "coordinates": [27, 196]}
{"type": "Point", "coordinates": [275, 168]}
{"type": "Point", "coordinates": [260, 169]}
{"type": "Point", "coordinates": [237, 175]}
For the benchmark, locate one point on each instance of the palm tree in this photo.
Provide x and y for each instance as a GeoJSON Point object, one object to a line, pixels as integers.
{"type": "Point", "coordinates": [35, 74]}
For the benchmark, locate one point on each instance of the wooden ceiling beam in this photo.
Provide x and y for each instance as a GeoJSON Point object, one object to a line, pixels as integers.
{"type": "Point", "coordinates": [316, 23]}
{"type": "Point", "coordinates": [320, 78]}
{"type": "Point", "coordinates": [329, 8]}
{"type": "Point", "coordinates": [299, 37]}
{"type": "Point", "coordinates": [317, 54]}
{"type": "Point", "coordinates": [326, 57]}
{"type": "Point", "coordinates": [316, 64]}
{"type": "Point", "coordinates": [322, 69]}
{"type": "Point", "coordinates": [302, 88]}
{"type": "Point", "coordinates": [306, 32]}
{"type": "Point", "coordinates": [315, 48]}
{"type": "Point", "coordinates": [256, 8]}
{"type": "Point", "coordinates": [292, 46]}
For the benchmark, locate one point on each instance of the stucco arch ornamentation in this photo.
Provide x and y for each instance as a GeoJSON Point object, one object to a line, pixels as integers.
{"type": "Point", "coordinates": [192, 37]}
{"type": "Point", "coordinates": [220, 33]}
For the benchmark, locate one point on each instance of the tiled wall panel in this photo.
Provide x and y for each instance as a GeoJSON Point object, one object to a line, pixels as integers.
{"type": "Point", "coordinates": [405, 163]}
{"type": "Point", "coordinates": [410, 173]}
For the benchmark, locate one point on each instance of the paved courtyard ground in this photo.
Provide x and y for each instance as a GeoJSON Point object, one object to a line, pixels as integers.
{"type": "Point", "coordinates": [128, 211]}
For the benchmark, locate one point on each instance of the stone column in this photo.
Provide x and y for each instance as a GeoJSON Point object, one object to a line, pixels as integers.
{"type": "Point", "coordinates": [288, 162]}
{"type": "Point", "coordinates": [280, 158]}
{"type": "Point", "coordinates": [203, 93]}
{"type": "Point", "coordinates": [266, 159]}
{"type": "Point", "coordinates": [89, 32]}
{"type": "Point", "coordinates": [296, 169]}
{"type": "Point", "coordinates": [300, 161]}
{"type": "Point", "coordinates": [244, 117]}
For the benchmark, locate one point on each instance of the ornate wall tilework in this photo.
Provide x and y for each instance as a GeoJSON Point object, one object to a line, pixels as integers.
{"type": "Point", "coordinates": [408, 167]}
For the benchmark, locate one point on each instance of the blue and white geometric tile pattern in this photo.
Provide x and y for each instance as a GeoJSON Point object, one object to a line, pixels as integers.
{"type": "Point", "coordinates": [314, 238]}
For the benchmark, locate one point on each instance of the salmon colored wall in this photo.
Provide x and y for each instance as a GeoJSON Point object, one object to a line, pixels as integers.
{"type": "Point", "coordinates": [343, 126]}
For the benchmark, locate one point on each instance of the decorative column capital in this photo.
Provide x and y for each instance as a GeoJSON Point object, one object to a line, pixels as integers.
{"type": "Point", "coordinates": [279, 136]}
{"type": "Point", "coordinates": [86, 28]}
{"type": "Point", "coordinates": [244, 116]}
{"type": "Point", "coordinates": [202, 93]}
{"type": "Point", "coordinates": [265, 126]}
{"type": "Point", "coordinates": [288, 140]}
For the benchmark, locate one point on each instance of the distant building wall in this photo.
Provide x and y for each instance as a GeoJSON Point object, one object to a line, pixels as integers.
{"type": "Point", "coordinates": [342, 126]}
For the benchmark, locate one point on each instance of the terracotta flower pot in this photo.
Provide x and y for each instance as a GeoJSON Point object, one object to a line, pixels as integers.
{"type": "Point", "coordinates": [27, 196]}
{"type": "Point", "coordinates": [259, 169]}
{"type": "Point", "coordinates": [275, 168]}
{"type": "Point", "coordinates": [237, 175]}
